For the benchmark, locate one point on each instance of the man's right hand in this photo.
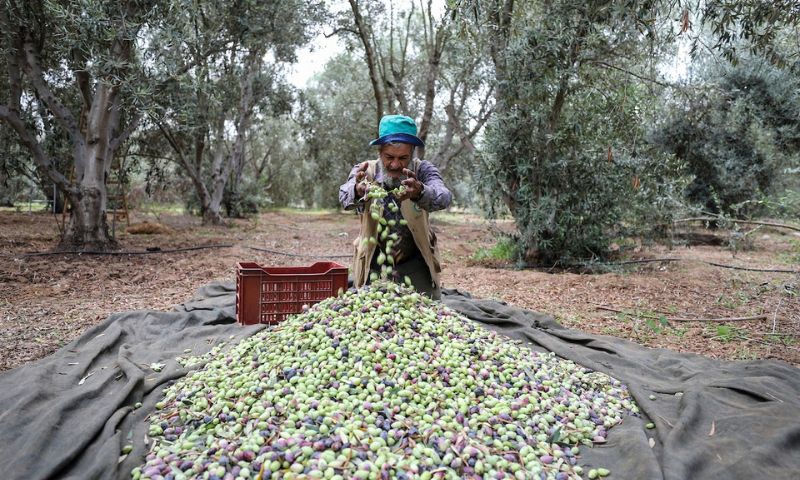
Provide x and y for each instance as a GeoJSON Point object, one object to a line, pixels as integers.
{"type": "Point", "coordinates": [361, 174]}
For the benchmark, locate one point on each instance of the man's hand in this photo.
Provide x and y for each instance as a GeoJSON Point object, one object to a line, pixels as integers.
{"type": "Point", "coordinates": [361, 186]}
{"type": "Point", "coordinates": [413, 186]}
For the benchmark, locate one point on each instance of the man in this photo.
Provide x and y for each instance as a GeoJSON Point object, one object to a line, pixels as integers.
{"type": "Point", "coordinates": [414, 250]}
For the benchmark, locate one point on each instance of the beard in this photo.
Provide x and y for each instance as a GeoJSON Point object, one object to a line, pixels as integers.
{"type": "Point", "coordinates": [390, 182]}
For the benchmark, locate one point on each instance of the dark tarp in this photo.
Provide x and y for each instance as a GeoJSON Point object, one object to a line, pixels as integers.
{"type": "Point", "coordinates": [70, 414]}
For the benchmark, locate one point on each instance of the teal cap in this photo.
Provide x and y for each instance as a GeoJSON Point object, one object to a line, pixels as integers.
{"type": "Point", "coordinates": [397, 128]}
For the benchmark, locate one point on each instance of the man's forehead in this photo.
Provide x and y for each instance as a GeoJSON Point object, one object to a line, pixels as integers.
{"type": "Point", "coordinates": [397, 150]}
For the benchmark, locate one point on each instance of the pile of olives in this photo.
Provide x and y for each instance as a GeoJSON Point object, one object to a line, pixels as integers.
{"type": "Point", "coordinates": [381, 383]}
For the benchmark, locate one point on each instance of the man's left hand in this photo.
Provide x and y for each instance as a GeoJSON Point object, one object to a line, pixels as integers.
{"type": "Point", "coordinates": [413, 186]}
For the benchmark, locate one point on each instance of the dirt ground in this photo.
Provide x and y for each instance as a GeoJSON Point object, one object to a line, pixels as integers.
{"type": "Point", "coordinates": [48, 300]}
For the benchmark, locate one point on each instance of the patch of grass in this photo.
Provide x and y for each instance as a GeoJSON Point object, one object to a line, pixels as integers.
{"type": "Point", "coordinates": [613, 331]}
{"type": "Point", "coordinates": [447, 256]}
{"type": "Point", "coordinates": [568, 320]}
{"type": "Point", "coordinates": [657, 325]}
{"type": "Point", "coordinates": [458, 217]}
{"type": "Point", "coordinates": [679, 331]}
{"type": "Point", "coordinates": [734, 301]}
{"type": "Point", "coordinates": [724, 333]}
{"type": "Point", "coordinates": [34, 206]}
{"type": "Point", "coordinates": [727, 334]}
{"type": "Point", "coordinates": [303, 211]}
{"type": "Point", "coordinates": [504, 250]}
{"type": "Point", "coordinates": [649, 324]}
{"type": "Point", "coordinates": [785, 340]}
{"type": "Point", "coordinates": [160, 208]}
{"type": "Point", "coordinates": [791, 257]}
{"type": "Point", "coordinates": [744, 353]}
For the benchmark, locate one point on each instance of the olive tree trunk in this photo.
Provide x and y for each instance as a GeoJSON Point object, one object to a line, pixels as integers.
{"type": "Point", "coordinates": [220, 171]}
{"type": "Point", "coordinates": [87, 227]}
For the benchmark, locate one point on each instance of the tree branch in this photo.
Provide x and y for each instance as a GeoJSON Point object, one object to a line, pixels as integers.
{"type": "Point", "coordinates": [82, 77]}
{"type": "Point", "coordinates": [133, 124]}
{"type": "Point", "coordinates": [264, 163]}
{"type": "Point", "coordinates": [61, 113]}
{"type": "Point", "coordinates": [175, 147]}
{"type": "Point", "coordinates": [395, 83]}
{"type": "Point", "coordinates": [339, 30]}
{"type": "Point", "coordinates": [13, 60]}
{"type": "Point", "coordinates": [406, 40]}
{"type": "Point", "coordinates": [451, 117]}
{"type": "Point", "coordinates": [399, 75]}
{"type": "Point", "coordinates": [435, 49]}
{"type": "Point", "coordinates": [39, 157]}
{"type": "Point", "coordinates": [151, 155]}
{"type": "Point", "coordinates": [364, 35]}
{"type": "Point", "coordinates": [200, 57]}
{"type": "Point", "coordinates": [483, 114]}
{"type": "Point", "coordinates": [633, 74]}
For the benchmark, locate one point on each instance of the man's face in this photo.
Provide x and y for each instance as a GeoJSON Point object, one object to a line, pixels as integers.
{"type": "Point", "coordinates": [395, 158]}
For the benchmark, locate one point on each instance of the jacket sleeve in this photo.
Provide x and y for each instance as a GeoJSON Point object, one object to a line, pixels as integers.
{"type": "Point", "coordinates": [347, 192]}
{"type": "Point", "coordinates": [435, 196]}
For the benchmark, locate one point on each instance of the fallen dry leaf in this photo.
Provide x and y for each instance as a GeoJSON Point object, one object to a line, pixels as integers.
{"type": "Point", "coordinates": [84, 378]}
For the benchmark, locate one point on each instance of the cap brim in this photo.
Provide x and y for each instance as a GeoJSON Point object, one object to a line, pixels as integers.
{"type": "Point", "coordinates": [398, 138]}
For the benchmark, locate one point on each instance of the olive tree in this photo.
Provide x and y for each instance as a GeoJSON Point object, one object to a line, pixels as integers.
{"type": "Point", "coordinates": [72, 67]}
{"type": "Point", "coordinates": [565, 151]}
{"type": "Point", "coordinates": [738, 130]}
{"type": "Point", "coordinates": [740, 28]}
{"type": "Point", "coordinates": [576, 85]}
{"type": "Point", "coordinates": [207, 116]}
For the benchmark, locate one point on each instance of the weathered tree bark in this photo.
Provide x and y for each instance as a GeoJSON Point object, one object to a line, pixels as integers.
{"type": "Point", "coordinates": [365, 35]}
{"type": "Point", "coordinates": [220, 168]}
{"type": "Point", "coordinates": [87, 227]}
{"type": "Point", "coordinates": [435, 42]}
{"type": "Point", "coordinates": [251, 66]}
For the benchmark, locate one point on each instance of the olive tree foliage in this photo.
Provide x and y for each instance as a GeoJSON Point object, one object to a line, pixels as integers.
{"type": "Point", "coordinates": [735, 123]}
{"type": "Point", "coordinates": [565, 150]}
{"type": "Point", "coordinates": [211, 114]}
{"type": "Point", "coordinates": [738, 130]}
{"type": "Point", "coordinates": [275, 175]}
{"type": "Point", "coordinates": [69, 77]}
{"type": "Point", "coordinates": [742, 28]}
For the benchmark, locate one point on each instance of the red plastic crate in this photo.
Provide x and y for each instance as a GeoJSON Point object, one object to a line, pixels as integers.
{"type": "Point", "coordinates": [270, 294]}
